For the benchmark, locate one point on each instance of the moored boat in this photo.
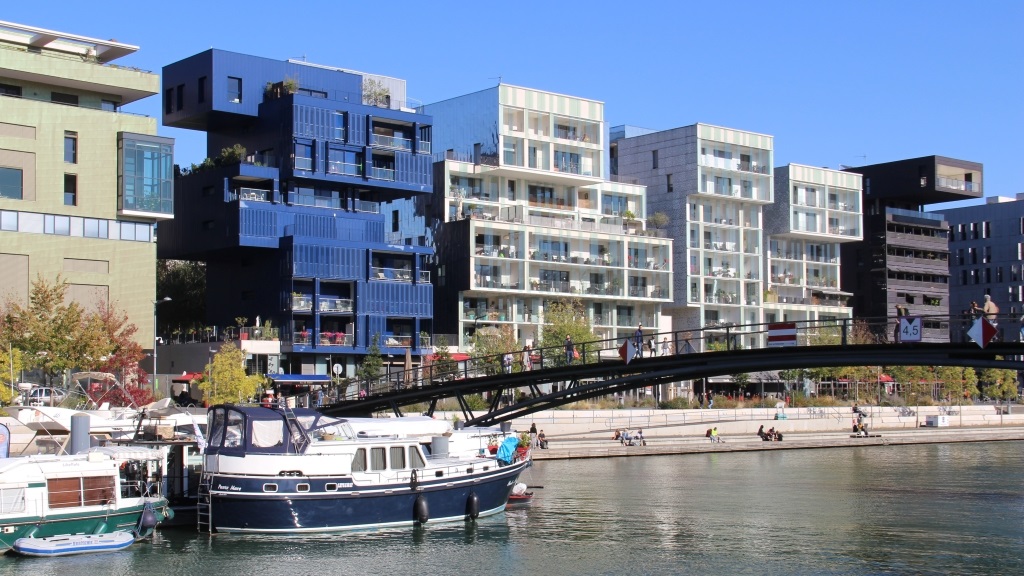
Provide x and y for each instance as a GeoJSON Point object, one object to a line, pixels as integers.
{"type": "Point", "coordinates": [66, 545]}
{"type": "Point", "coordinates": [105, 490]}
{"type": "Point", "coordinates": [271, 470]}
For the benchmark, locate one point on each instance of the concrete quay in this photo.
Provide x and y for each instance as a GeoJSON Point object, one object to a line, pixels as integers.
{"type": "Point", "coordinates": [588, 433]}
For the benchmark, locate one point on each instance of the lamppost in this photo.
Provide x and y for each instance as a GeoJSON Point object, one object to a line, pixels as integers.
{"type": "Point", "coordinates": [156, 339]}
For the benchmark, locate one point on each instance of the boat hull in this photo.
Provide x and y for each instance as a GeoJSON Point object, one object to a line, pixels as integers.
{"type": "Point", "coordinates": [100, 520]}
{"type": "Point", "coordinates": [239, 504]}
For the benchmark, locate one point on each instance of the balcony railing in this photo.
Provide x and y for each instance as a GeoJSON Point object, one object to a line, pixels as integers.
{"type": "Point", "coordinates": [957, 184]}
{"type": "Point", "coordinates": [338, 167]}
{"type": "Point", "coordinates": [330, 304]}
{"type": "Point", "coordinates": [382, 173]}
{"type": "Point", "coordinates": [301, 303]}
{"type": "Point", "coordinates": [253, 194]}
{"type": "Point", "coordinates": [390, 142]}
{"type": "Point", "coordinates": [303, 163]}
{"type": "Point", "coordinates": [390, 274]}
{"type": "Point", "coordinates": [328, 338]}
{"type": "Point", "coordinates": [423, 147]}
{"type": "Point", "coordinates": [367, 206]}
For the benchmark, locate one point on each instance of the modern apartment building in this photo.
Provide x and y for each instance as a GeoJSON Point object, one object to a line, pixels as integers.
{"type": "Point", "coordinates": [904, 257]}
{"type": "Point", "coordinates": [82, 184]}
{"type": "Point", "coordinates": [815, 210]}
{"type": "Point", "coordinates": [986, 248]}
{"type": "Point", "coordinates": [290, 222]}
{"type": "Point", "coordinates": [522, 217]}
{"type": "Point", "coordinates": [713, 184]}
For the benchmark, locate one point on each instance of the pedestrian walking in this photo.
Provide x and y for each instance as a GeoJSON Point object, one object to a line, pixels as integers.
{"type": "Point", "coordinates": [664, 346]}
{"type": "Point", "coordinates": [569, 349]}
{"type": "Point", "coordinates": [638, 341]}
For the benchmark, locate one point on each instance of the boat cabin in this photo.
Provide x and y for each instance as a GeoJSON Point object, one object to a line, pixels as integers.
{"type": "Point", "coordinates": [239, 430]}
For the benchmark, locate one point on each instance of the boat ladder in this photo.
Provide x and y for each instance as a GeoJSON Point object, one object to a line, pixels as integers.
{"type": "Point", "coordinates": [203, 516]}
{"type": "Point", "coordinates": [299, 436]}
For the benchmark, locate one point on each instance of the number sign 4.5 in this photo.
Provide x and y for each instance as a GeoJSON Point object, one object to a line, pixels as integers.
{"type": "Point", "coordinates": [910, 329]}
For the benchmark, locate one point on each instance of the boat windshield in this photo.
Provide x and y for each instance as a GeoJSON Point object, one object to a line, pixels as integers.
{"type": "Point", "coordinates": [320, 425]}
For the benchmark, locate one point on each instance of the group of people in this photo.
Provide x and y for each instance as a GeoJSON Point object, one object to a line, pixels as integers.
{"type": "Point", "coordinates": [859, 427]}
{"type": "Point", "coordinates": [537, 439]}
{"type": "Point", "coordinates": [771, 435]}
{"type": "Point", "coordinates": [708, 397]}
{"type": "Point", "coordinates": [627, 438]}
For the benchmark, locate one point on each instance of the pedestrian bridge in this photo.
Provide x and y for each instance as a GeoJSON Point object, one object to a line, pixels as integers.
{"type": "Point", "coordinates": [601, 371]}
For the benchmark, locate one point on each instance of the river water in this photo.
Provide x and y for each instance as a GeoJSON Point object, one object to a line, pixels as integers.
{"type": "Point", "coordinates": [924, 509]}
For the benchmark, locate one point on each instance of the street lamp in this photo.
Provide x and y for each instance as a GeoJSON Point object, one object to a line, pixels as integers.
{"type": "Point", "coordinates": [156, 379]}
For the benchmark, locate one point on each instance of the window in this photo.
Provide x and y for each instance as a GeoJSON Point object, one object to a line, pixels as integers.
{"type": "Point", "coordinates": [61, 98]}
{"type": "Point", "coordinates": [338, 126]}
{"type": "Point", "coordinates": [10, 90]}
{"type": "Point", "coordinates": [397, 458]}
{"type": "Point", "coordinates": [378, 459]}
{"type": "Point", "coordinates": [234, 90]}
{"type": "Point", "coordinates": [312, 93]}
{"type": "Point", "coordinates": [654, 159]}
{"type": "Point", "coordinates": [180, 96]}
{"type": "Point", "coordinates": [394, 221]}
{"type": "Point", "coordinates": [202, 89]}
{"type": "Point", "coordinates": [168, 100]}
{"type": "Point", "coordinates": [10, 183]}
{"type": "Point", "coordinates": [303, 156]}
{"type": "Point", "coordinates": [108, 105]}
{"type": "Point", "coordinates": [71, 147]}
{"type": "Point", "coordinates": [359, 460]}
{"type": "Point", "coordinates": [668, 182]}
{"type": "Point", "coordinates": [71, 190]}
{"type": "Point", "coordinates": [146, 173]}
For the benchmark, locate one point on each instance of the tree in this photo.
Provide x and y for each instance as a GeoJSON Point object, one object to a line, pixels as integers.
{"type": "Point", "coordinates": [957, 382]}
{"type": "Point", "coordinates": [658, 220]}
{"type": "Point", "coordinates": [12, 361]}
{"type": "Point", "coordinates": [489, 348]}
{"type": "Point", "coordinates": [375, 93]}
{"type": "Point", "coordinates": [185, 283]}
{"type": "Point", "coordinates": [999, 383]}
{"type": "Point", "coordinates": [55, 336]}
{"type": "Point", "coordinates": [443, 366]}
{"type": "Point", "coordinates": [372, 367]}
{"type": "Point", "coordinates": [232, 155]}
{"type": "Point", "coordinates": [566, 317]}
{"type": "Point", "coordinates": [225, 379]}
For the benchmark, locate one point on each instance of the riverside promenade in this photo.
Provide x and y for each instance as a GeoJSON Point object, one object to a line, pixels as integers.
{"type": "Point", "coordinates": [588, 434]}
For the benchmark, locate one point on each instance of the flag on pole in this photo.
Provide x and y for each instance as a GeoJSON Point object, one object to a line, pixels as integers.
{"type": "Point", "coordinates": [627, 351]}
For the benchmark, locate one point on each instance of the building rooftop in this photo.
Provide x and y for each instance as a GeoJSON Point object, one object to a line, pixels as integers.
{"type": "Point", "coordinates": [32, 37]}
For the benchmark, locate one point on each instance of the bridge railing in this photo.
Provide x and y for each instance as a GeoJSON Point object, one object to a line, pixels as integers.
{"type": "Point", "coordinates": [720, 337]}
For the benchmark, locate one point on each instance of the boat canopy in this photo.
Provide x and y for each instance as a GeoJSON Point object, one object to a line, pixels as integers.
{"type": "Point", "coordinates": [239, 430]}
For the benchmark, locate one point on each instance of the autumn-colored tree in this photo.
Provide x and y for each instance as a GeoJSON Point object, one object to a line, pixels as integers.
{"type": "Point", "coordinates": [224, 379]}
{"type": "Point", "coordinates": [490, 346]}
{"type": "Point", "coordinates": [12, 360]}
{"type": "Point", "coordinates": [442, 366]}
{"type": "Point", "coordinates": [56, 336]}
{"type": "Point", "coordinates": [957, 382]}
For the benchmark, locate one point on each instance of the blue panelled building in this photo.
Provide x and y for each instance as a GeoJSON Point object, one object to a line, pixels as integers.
{"type": "Point", "coordinates": [286, 210]}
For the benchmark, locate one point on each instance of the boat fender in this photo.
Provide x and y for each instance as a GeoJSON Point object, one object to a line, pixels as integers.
{"type": "Point", "coordinates": [473, 506]}
{"type": "Point", "coordinates": [414, 480]}
{"type": "Point", "coordinates": [419, 510]}
{"type": "Point", "coordinates": [148, 520]}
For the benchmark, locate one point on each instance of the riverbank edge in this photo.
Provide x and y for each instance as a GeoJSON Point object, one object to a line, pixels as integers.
{"type": "Point", "coordinates": [568, 448]}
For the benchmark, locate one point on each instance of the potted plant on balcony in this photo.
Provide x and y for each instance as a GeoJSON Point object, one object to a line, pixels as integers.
{"type": "Point", "coordinates": [304, 336]}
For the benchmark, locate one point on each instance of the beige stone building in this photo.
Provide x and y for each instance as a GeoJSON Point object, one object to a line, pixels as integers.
{"type": "Point", "coordinates": [82, 184]}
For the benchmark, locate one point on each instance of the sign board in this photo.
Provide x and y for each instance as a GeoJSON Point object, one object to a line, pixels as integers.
{"type": "Point", "coordinates": [782, 334]}
{"type": "Point", "coordinates": [982, 332]}
{"type": "Point", "coordinates": [337, 369]}
{"type": "Point", "coordinates": [910, 329]}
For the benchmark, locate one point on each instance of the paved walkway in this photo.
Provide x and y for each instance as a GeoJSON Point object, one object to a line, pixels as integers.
{"type": "Point", "coordinates": [565, 448]}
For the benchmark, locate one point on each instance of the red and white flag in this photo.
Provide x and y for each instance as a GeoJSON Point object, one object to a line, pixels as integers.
{"type": "Point", "coordinates": [627, 351]}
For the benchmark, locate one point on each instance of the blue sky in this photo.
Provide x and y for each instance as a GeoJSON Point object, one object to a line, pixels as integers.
{"type": "Point", "coordinates": [835, 82]}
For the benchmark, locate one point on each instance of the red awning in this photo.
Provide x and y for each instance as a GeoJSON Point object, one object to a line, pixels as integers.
{"type": "Point", "coordinates": [885, 378]}
{"type": "Point", "coordinates": [457, 356]}
{"type": "Point", "coordinates": [187, 377]}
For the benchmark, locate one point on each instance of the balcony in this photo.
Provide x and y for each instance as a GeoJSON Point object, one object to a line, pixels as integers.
{"type": "Point", "coordinates": [336, 305]}
{"type": "Point", "coordinates": [390, 274]}
{"type": "Point", "coordinates": [378, 173]}
{"type": "Point", "coordinates": [328, 338]}
{"type": "Point", "coordinates": [957, 184]}
{"type": "Point", "coordinates": [393, 142]}
{"type": "Point", "coordinates": [423, 147]}
{"type": "Point", "coordinates": [252, 195]}
{"type": "Point", "coordinates": [301, 303]}
{"type": "Point", "coordinates": [344, 168]}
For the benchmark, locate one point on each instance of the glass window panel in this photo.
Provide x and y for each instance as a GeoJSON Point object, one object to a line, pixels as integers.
{"type": "Point", "coordinates": [127, 231]}
{"type": "Point", "coordinates": [11, 183]}
{"type": "Point", "coordinates": [91, 228]}
{"type": "Point", "coordinates": [9, 221]}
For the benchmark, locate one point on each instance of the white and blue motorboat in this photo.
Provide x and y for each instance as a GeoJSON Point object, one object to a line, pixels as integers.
{"type": "Point", "coordinates": [284, 471]}
{"type": "Point", "coordinates": [67, 545]}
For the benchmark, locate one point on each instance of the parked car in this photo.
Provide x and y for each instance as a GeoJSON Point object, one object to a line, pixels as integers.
{"type": "Point", "coordinates": [43, 396]}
